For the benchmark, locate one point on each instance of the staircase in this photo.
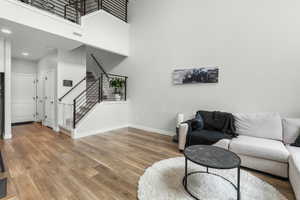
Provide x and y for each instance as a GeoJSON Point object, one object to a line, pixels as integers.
{"type": "Point", "coordinates": [88, 98]}
{"type": "Point", "coordinates": [97, 90]}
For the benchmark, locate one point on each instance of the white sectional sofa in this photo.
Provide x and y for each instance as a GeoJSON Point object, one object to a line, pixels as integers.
{"type": "Point", "coordinates": [263, 144]}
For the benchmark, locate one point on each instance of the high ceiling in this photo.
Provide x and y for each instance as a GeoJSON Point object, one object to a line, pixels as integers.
{"type": "Point", "coordinates": [34, 42]}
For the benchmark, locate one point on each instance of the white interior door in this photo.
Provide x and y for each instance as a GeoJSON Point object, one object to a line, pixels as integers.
{"type": "Point", "coordinates": [23, 96]}
{"type": "Point", "coordinates": [49, 91]}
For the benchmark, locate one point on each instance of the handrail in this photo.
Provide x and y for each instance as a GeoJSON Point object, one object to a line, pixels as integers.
{"type": "Point", "coordinates": [99, 65]}
{"type": "Point", "coordinates": [63, 103]}
{"type": "Point", "coordinates": [77, 84]}
{"type": "Point", "coordinates": [117, 75]}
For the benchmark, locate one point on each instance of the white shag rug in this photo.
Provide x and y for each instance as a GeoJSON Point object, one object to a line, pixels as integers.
{"type": "Point", "coordinates": [163, 181]}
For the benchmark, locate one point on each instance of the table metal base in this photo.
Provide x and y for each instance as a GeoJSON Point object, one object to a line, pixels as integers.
{"type": "Point", "coordinates": [185, 179]}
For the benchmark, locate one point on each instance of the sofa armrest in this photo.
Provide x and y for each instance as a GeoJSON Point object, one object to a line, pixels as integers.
{"type": "Point", "coordinates": [183, 130]}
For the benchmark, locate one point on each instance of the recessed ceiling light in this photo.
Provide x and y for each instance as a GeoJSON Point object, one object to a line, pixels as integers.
{"type": "Point", "coordinates": [25, 54]}
{"type": "Point", "coordinates": [6, 31]}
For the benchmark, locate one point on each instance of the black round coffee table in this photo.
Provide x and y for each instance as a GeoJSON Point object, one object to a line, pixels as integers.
{"type": "Point", "coordinates": [211, 157]}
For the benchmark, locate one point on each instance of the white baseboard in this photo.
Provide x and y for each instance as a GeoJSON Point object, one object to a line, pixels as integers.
{"type": "Point", "coordinates": [154, 130]}
{"type": "Point", "coordinates": [7, 136]}
{"type": "Point", "coordinates": [77, 135]}
{"type": "Point", "coordinates": [66, 131]}
{"type": "Point", "coordinates": [56, 129]}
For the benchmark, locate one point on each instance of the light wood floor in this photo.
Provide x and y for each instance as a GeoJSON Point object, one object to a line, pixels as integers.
{"type": "Point", "coordinates": [43, 165]}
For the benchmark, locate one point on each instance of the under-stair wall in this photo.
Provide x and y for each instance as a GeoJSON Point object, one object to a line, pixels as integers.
{"type": "Point", "coordinates": [105, 116]}
{"type": "Point", "coordinates": [71, 67]}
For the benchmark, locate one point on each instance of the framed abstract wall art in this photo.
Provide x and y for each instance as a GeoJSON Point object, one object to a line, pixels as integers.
{"type": "Point", "coordinates": [196, 75]}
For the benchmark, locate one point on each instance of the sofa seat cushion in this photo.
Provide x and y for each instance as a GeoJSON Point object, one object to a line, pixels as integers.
{"type": "Point", "coordinates": [260, 148]}
{"type": "Point", "coordinates": [262, 125]}
{"type": "Point", "coordinates": [206, 137]}
{"type": "Point", "coordinates": [294, 154]}
{"type": "Point", "coordinates": [294, 171]}
{"type": "Point", "coordinates": [224, 143]}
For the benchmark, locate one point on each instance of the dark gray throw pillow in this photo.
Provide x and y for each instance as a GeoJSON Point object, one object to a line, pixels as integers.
{"type": "Point", "coordinates": [297, 142]}
{"type": "Point", "coordinates": [197, 123]}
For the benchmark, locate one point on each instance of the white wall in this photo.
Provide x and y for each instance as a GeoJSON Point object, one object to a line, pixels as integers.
{"type": "Point", "coordinates": [23, 66]}
{"type": "Point", "coordinates": [71, 66]}
{"type": "Point", "coordinates": [255, 44]}
{"type": "Point", "coordinates": [106, 31]}
{"type": "Point", "coordinates": [107, 59]}
{"type": "Point", "coordinates": [103, 117]}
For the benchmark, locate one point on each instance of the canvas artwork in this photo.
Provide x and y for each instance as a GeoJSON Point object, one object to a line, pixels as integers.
{"type": "Point", "coordinates": [196, 75]}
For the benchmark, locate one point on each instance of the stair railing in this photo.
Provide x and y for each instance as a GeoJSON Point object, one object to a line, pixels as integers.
{"type": "Point", "coordinates": [108, 90]}
{"type": "Point", "coordinates": [85, 101]}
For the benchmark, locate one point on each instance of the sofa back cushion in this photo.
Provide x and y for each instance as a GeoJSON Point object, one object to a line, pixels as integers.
{"type": "Point", "coordinates": [291, 129]}
{"type": "Point", "coordinates": [262, 125]}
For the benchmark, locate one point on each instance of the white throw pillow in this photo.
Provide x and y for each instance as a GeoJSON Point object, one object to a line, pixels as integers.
{"type": "Point", "coordinates": [291, 129]}
{"type": "Point", "coordinates": [262, 125]}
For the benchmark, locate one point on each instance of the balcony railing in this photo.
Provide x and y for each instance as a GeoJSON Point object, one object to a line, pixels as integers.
{"type": "Point", "coordinates": [72, 10]}
{"type": "Point", "coordinates": [56, 7]}
{"type": "Point", "coordinates": [117, 8]}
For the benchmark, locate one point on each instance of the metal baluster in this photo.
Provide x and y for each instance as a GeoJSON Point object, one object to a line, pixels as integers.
{"type": "Point", "coordinates": [125, 89]}
{"type": "Point", "coordinates": [74, 113]}
{"type": "Point", "coordinates": [101, 87]}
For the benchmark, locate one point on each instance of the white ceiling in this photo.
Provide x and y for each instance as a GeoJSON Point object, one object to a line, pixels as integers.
{"type": "Point", "coordinates": [36, 42]}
